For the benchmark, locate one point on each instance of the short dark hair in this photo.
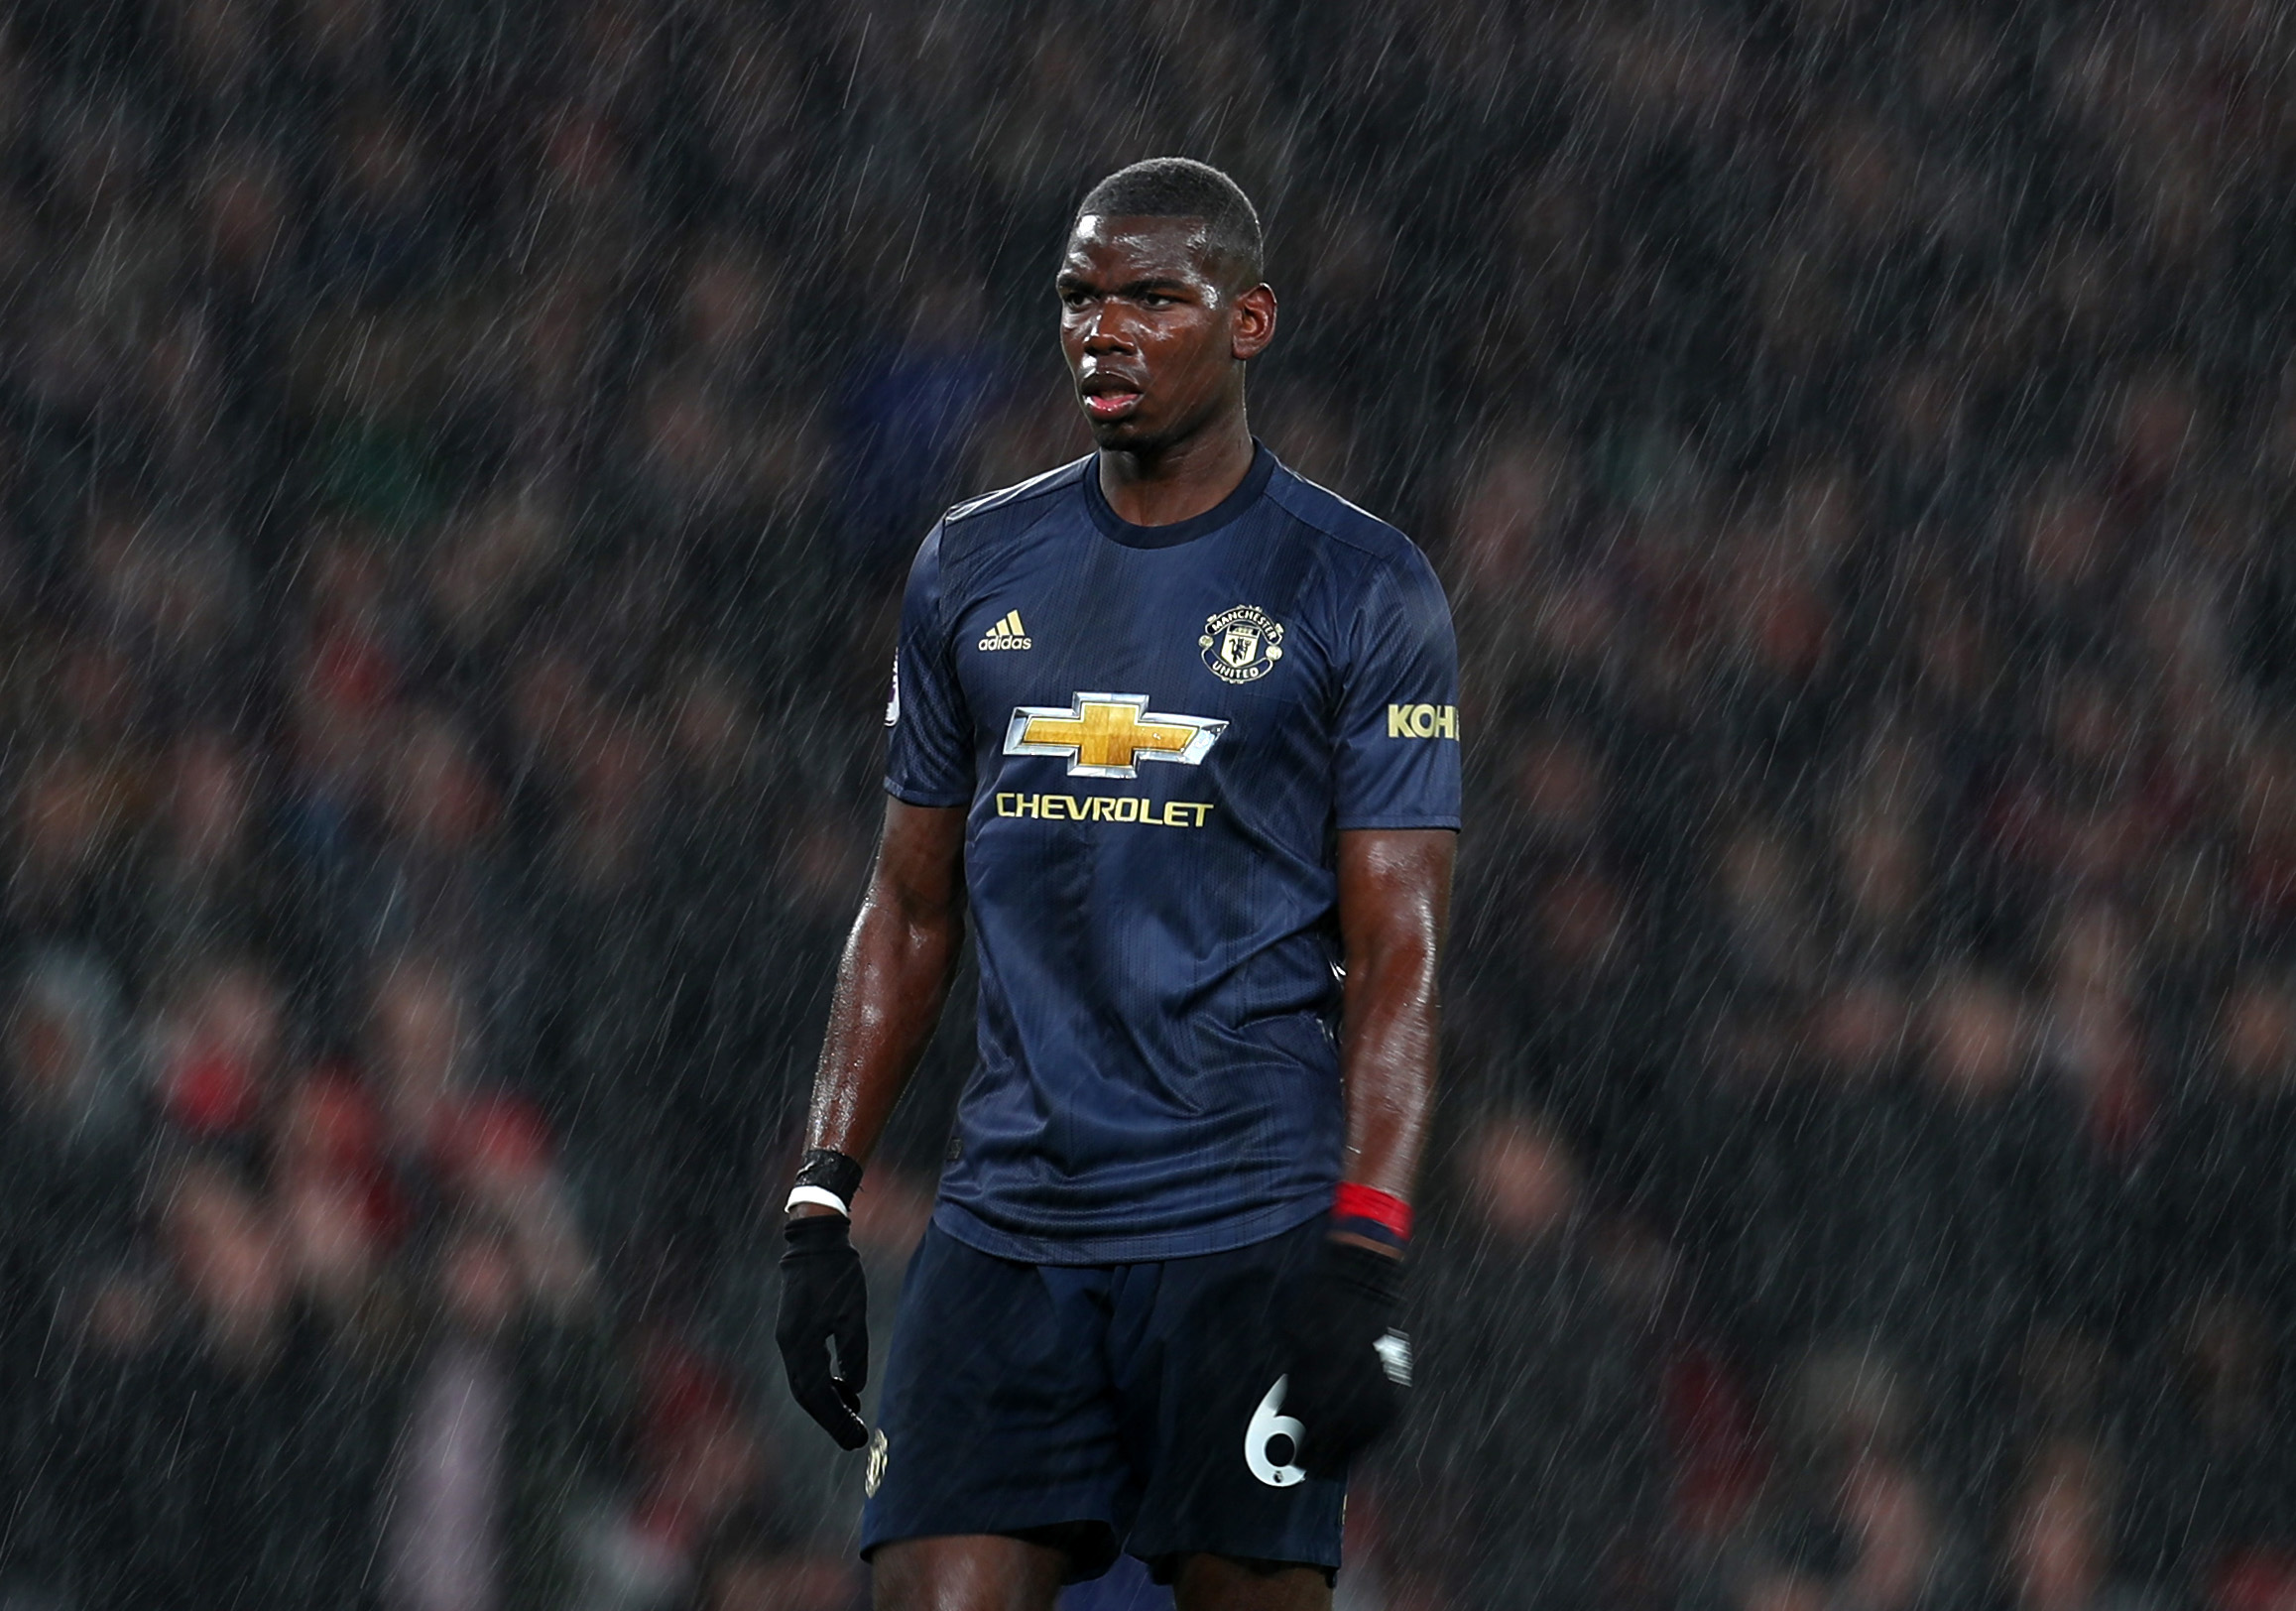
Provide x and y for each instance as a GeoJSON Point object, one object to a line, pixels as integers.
{"type": "Point", "coordinates": [1182, 187]}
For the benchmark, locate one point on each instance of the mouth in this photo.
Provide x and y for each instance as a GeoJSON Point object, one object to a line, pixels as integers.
{"type": "Point", "coordinates": [1108, 396]}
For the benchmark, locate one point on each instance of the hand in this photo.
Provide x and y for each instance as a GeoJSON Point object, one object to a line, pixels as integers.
{"type": "Point", "coordinates": [824, 1327]}
{"type": "Point", "coordinates": [1348, 1363]}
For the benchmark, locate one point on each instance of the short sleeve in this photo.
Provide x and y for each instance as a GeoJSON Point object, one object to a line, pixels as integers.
{"type": "Point", "coordinates": [929, 758]}
{"type": "Point", "coordinates": [1397, 753]}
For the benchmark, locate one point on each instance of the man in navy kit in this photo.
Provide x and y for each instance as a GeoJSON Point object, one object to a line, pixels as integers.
{"type": "Point", "coordinates": [1181, 730]}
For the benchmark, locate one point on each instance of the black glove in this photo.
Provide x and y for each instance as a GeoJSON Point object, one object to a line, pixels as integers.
{"type": "Point", "coordinates": [823, 1328]}
{"type": "Point", "coordinates": [1348, 1361]}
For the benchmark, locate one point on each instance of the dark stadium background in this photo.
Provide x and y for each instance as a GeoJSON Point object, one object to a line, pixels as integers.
{"type": "Point", "coordinates": [457, 460]}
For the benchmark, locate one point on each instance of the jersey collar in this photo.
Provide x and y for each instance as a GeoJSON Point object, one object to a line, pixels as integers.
{"type": "Point", "coordinates": [1118, 529]}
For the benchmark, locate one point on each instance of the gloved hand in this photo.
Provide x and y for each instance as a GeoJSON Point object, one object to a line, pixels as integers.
{"type": "Point", "coordinates": [823, 1326]}
{"type": "Point", "coordinates": [1348, 1363]}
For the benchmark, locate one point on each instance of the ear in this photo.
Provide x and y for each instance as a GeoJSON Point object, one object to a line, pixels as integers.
{"type": "Point", "coordinates": [1251, 326]}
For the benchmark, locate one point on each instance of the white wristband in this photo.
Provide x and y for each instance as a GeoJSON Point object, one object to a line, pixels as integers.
{"type": "Point", "coordinates": [819, 1198]}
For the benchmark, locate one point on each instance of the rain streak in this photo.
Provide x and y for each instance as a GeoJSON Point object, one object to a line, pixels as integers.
{"type": "Point", "coordinates": [459, 461]}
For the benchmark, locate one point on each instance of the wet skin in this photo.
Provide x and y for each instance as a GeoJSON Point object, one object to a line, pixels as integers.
{"type": "Point", "coordinates": [1395, 887]}
{"type": "Point", "coordinates": [1157, 333]}
{"type": "Point", "coordinates": [1157, 330]}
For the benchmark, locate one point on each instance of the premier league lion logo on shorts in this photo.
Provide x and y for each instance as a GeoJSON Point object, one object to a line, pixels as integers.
{"type": "Point", "coordinates": [1242, 645]}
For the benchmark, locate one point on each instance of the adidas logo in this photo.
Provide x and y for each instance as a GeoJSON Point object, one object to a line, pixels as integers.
{"type": "Point", "coordinates": [1009, 634]}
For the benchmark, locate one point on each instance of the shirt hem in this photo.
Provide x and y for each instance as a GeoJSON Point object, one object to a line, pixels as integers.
{"type": "Point", "coordinates": [1357, 823]}
{"type": "Point", "coordinates": [1258, 1226]}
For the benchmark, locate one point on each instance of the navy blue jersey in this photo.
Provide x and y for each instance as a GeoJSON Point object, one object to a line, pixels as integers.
{"type": "Point", "coordinates": [1158, 733]}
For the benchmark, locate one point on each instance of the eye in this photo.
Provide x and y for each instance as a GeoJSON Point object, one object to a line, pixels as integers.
{"type": "Point", "coordinates": [1155, 299]}
{"type": "Point", "coordinates": [1074, 299]}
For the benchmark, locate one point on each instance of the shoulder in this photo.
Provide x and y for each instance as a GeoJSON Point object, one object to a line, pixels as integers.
{"type": "Point", "coordinates": [979, 529]}
{"type": "Point", "coordinates": [993, 510]}
{"type": "Point", "coordinates": [1364, 552]}
{"type": "Point", "coordinates": [1378, 546]}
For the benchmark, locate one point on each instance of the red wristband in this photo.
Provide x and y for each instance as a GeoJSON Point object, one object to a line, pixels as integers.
{"type": "Point", "coordinates": [1363, 1211]}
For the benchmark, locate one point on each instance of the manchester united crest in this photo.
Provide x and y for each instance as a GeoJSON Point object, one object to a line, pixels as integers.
{"type": "Point", "coordinates": [1242, 645]}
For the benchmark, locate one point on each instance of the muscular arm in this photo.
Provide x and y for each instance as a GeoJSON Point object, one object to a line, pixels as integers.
{"type": "Point", "coordinates": [893, 978]}
{"type": "Point", "coordinates": [1348, 1363]}
{"type": "Point", "coordinates": [890, 990]}
{"type": "Point", "coordinates": [1394, 896]}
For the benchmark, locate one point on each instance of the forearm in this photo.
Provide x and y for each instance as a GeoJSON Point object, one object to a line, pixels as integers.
{"type": "Point", "coordinates": [891, 987]}
{"type": "Point", "coordinates": [1395, 900]}
{"type": "Point", "coordinates": [893, 980]}
{"type": "Point", "coordinates": [1350, 1363]}
{"type": "Point", "coordinates": [1388, 1055]}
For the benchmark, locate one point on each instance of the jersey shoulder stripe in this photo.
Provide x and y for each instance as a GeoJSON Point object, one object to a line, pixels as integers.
{"type": "Point", "coordinates": [980, 534]}
{"type": "Point", "coordinates": [1037, 486]}
{"type": "Point", "coordinates": [1332, 515]}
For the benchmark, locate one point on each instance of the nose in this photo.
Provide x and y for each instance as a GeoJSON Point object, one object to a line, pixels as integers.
{"type": "Point", "coordinates": [1106, 332]}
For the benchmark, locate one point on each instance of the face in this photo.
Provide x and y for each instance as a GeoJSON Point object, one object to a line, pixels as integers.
{"type": "Point", "coordinates": [1155, 335]}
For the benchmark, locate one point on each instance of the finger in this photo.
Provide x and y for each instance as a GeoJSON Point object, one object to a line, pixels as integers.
{"type": "Point", "coordinates": [827, 1404]}
{"type": "Point", "coordinates": [853, 1354]}
{"type": "Point", "coordinates": [848, 1429]}
{"type": "Point", "coordinates": [845, 1424]}
{"type": "Point", "coordinates": [811, 1389]}
{"type": "Point", "coordinates": [840, 1424]}
{"type": "Point", "coordinates": [811, 1382]}
{"type": "Point", "coordinates": [850, 1400]}
{"type": "Point", "coordinates": [821, 1394]}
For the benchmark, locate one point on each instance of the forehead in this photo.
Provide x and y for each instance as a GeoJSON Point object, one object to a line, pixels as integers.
{"type": "Point", "coordinates": [1137, 248]}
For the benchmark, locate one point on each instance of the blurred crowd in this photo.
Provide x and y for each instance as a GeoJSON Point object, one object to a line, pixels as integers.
{"type": "Point", "coordinates": [457, 465]}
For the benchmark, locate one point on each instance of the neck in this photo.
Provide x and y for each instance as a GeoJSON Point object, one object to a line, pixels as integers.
{"type": "Point", "coordinates": [1179, 480]}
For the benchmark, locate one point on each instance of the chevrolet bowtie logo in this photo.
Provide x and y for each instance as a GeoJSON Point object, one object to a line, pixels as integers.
{"type": "Point", "coordinates": [1105, 735]}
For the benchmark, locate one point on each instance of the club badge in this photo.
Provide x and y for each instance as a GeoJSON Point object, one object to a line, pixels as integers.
{"type": "Point", "coordinates": [1242, 645]}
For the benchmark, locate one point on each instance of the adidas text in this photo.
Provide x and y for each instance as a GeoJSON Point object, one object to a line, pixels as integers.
{"type": "Point", "coordinates": [1008, 634]}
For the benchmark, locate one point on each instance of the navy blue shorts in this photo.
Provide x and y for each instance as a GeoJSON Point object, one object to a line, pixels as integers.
{"type": "Point", "coordinates": [1133, 1407]}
